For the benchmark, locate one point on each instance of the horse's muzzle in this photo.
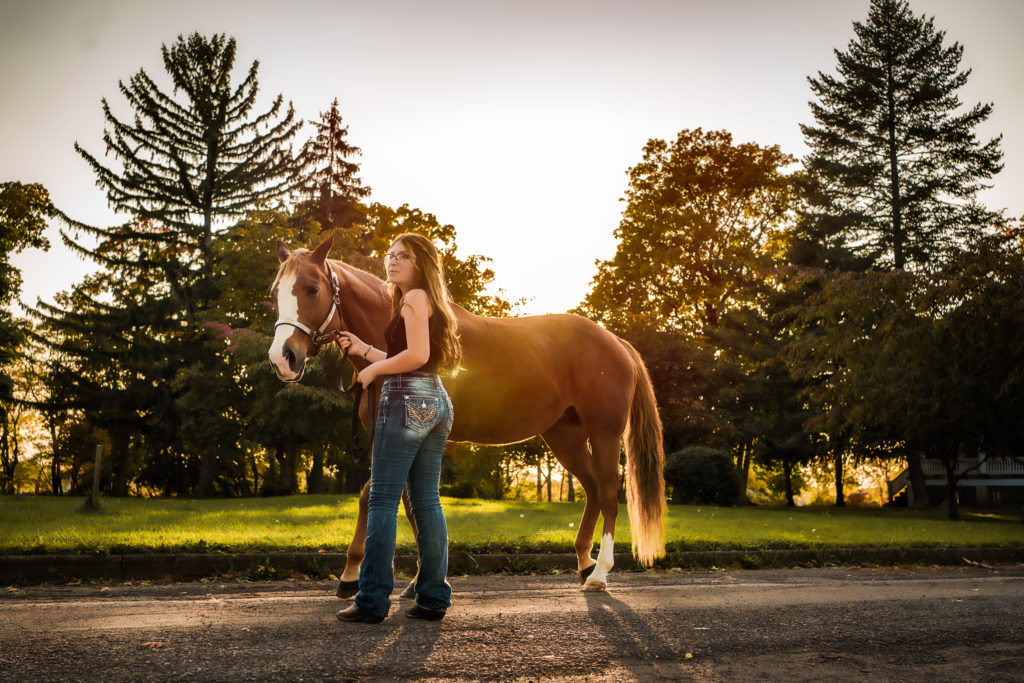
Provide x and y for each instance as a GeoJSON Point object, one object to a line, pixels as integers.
{"type": "Point", "coordinates": [291, 364]}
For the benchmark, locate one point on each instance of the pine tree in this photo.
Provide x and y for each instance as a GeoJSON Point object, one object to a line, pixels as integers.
{"type": "Point", "coordinates": [333, 189]}
{"type": "Point", "coordinates": [188, 161]}
{"type": "Point", "coordinates": [895, 166]}
{"type": "Point", "coordinates": [115, 342]}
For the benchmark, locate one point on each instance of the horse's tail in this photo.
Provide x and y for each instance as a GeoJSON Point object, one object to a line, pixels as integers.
{"type": "Point", "coordinates": [645, 464]}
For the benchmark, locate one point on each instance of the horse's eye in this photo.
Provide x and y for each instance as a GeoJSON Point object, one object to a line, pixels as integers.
{"type": "Point", "coordinates": [313, 291]}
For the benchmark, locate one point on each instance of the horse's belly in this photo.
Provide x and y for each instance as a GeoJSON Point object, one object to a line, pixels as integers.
{"type": "Point", "coordinates": [498, 419]}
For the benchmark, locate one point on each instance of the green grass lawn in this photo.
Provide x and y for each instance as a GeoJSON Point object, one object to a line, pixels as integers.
{"type": "Point", "coordinates": [309, 523]}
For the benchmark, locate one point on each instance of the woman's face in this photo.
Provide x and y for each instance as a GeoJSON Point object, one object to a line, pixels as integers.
{"type": "Point", "coordinates": [400, 265]}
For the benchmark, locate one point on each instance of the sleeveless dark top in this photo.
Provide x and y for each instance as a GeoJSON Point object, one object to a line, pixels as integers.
{"type": "Point", "coordinates": [394, 335]}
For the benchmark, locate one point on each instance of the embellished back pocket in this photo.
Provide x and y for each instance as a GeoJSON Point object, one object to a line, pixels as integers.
{"type": "Point", "coordinates": [420, 412]}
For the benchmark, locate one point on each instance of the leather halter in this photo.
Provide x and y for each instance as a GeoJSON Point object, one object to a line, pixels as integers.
{"type": "Point", "coordinates": [320, 336]}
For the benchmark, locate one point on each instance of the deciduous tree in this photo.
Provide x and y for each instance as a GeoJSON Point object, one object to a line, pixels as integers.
{"type": "Point", "coordinates": [929, 361]}
{"type": "Point", "coordinates": [689, 283]}
{"type": "Point", "coordinates": [24, 210]}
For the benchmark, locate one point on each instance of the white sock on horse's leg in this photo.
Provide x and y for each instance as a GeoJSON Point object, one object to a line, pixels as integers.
{"type": "Point", "coordinates": [605, 559]}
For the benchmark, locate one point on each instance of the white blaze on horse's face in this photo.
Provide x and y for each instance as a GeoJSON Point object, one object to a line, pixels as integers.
{"type": "Point", "coordinates": [288, 311]}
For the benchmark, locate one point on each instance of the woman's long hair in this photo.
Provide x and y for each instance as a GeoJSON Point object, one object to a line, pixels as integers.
{"type": "Point", "coordinates": [444, 331]}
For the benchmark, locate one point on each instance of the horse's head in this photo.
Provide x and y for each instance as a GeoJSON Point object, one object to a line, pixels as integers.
{"type": "Point", "coordinates": [306, 292]}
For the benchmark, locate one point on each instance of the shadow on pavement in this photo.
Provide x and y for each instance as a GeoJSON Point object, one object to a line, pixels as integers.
{"type": "Point", "coordinates": [618, 623]}
{"type": "Point", "coordinates": [396, 647]}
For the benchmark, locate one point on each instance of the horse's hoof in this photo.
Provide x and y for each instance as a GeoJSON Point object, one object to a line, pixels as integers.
{"type": "Point", "coordinates": [410, 590]}
{"type": "Point", "coordinates": [584, 573]}
{"type": "Point", "coordinates": [592, 585]}
{"type": "Point", "coordinates": [346, 589]}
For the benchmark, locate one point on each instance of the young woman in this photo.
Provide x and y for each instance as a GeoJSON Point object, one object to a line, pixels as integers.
{"type": "Point", "coordinates": [413, 421]}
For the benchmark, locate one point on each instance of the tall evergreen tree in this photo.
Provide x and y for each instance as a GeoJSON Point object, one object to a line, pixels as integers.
{"type": "Point", "coordinates": [332, 188]}
{"type": "Point", "coordinates": [895, 166]}
{"type": "Point", "coordinates": [115, 342]}
{"type": "Point", "coordinates": [188, 161]}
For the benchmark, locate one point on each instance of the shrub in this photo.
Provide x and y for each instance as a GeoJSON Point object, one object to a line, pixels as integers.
{"type": "Point", "coordinates": [703, 476]}
{"type": "Point", "coordinates": [460, 489]}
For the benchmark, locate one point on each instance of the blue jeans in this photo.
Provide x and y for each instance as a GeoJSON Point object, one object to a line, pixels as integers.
{"type": "Point", "coordinates": [414, 418]}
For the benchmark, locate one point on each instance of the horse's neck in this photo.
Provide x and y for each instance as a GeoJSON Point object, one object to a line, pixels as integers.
{"type": "Point", "coordinates": [365, 306]}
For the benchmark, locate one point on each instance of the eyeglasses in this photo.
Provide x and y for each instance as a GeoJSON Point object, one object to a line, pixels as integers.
{"type": "Point", "coordinates": [400, 257]}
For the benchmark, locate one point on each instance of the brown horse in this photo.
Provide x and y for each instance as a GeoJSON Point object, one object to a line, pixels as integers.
{"type": "Point", "coordinates": [580, 387]}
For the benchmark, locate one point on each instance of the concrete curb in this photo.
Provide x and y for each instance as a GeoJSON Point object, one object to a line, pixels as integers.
{"type": "Point", "coordinates": [30, 569]}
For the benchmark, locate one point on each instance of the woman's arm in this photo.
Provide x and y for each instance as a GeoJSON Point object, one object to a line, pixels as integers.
{"type": "Point", "coordinates": [415, 312]}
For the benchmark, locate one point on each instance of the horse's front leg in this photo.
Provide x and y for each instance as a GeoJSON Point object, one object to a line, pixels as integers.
{"type": "Point", "coordinates": [348, 585]}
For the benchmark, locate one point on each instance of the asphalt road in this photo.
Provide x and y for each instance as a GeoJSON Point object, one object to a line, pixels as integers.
{"type": "Point", "coordinates": [778, 625]}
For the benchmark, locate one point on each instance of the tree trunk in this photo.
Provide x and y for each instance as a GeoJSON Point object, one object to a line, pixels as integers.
{"type": "Point", "coordinates": [272, 482]}
{"type": "Point", "coordinates": [917, 480]}
{"type": "Point", "coordinates": [120, 462]}
{"type": "Point", "coordinates": [288, 483]}
{"type": "Point", "coordinates": [894, 174]}
{"type": "Point", "coordinates": [548, 466]}
{"type": "Point", "coordinates": [6, 468]}
{"type": "Point", "coordinates": [952, 504]}
{"type": "Point", "coordinates": [743, 473]}
{"type": "Point", "coordinates": [7, 462]}
{"type": "Point", "coordinates": [622, 483]}
{"type": "Point", "coordinates": [787, 468]}
{"type": "Point", "coordinates": [204, 487]}
{"type": "Point", "coordinates": [55, 460]}
{"type": "Point", "coordinates": [315, 481]}
{"type": "Point", "coordinates": [572, 487]}
{"type": "Point", "coordinates": [838, 462]}
{"type": "Point", "coordinates": [55, 483]}
{"type": "Point", "coordinates": [540, 483]}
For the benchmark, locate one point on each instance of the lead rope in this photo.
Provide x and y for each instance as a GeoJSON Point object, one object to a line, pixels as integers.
{"type": "Point", "coordinates": [360, 451]}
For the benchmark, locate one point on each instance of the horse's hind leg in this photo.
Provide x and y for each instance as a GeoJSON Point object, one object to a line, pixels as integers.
{"type": "Point", "coordinates": [606, 464]}
{"type": "Point", "coordinates": [568, 441]}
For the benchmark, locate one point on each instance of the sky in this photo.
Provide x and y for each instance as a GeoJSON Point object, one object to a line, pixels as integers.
{"type": "Point", "coordinates": [516, 122]}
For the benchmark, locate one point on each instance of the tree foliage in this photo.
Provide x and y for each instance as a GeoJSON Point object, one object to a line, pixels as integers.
{"type": "Point", "coordinates": [930, 362]}
{"type": "Point", "coordinates": [24, 210]}
{"type": "Point", "coordinates": [699, 215]}
{"type": "Point", "coordinates": [122, 340]}
{"type": "Point", "coordinates": [690, 284]}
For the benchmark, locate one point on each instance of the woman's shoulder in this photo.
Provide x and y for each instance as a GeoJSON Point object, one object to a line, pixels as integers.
{"type": "Point", "coordinates": [418, 300]}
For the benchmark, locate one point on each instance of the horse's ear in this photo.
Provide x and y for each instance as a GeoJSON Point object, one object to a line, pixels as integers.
{"type": "Point", "coordinates": [282, 252]}
{"type": "Point", "coordinates": [320, 253]}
